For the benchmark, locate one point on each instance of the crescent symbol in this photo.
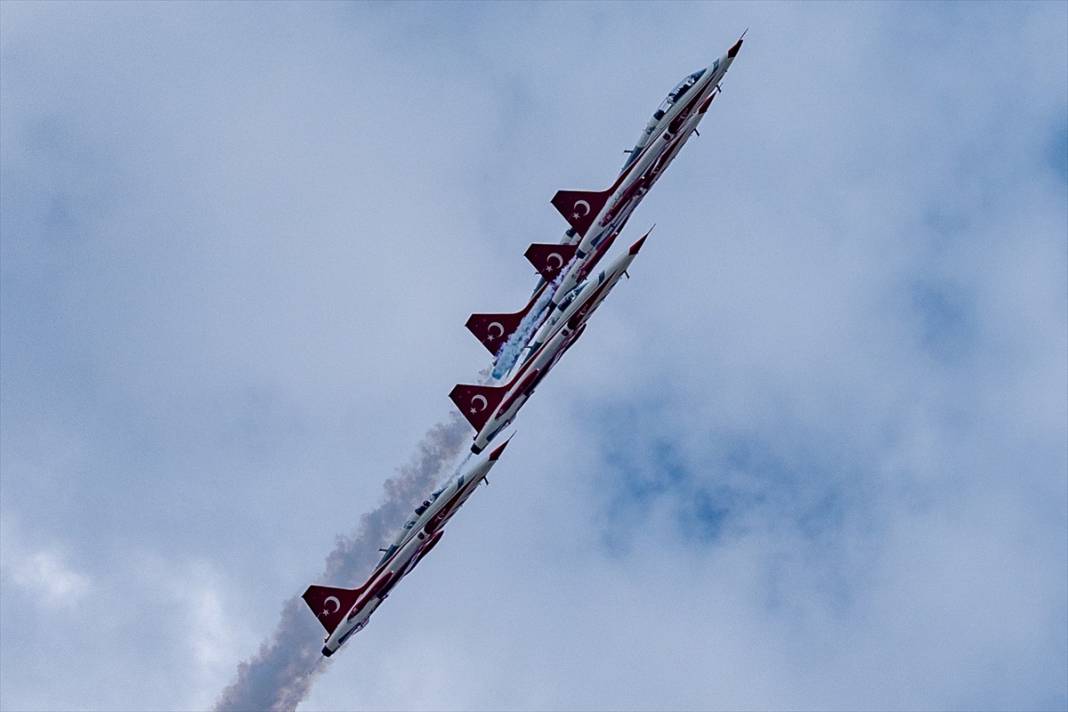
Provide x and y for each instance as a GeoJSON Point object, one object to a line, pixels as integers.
{"type": "Point", "coordinates": [326, 604]}
{"type": "Point", "coordinates": [585, 208]}
{"type": "Point", "coordinates": [558, 258]}
{"type": "Point", "coordinates": [476, 399]}
{"type": "Point", "coordinates": [496, 325]}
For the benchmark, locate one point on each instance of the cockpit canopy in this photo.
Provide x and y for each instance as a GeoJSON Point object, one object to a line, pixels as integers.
{"type": "Point", "coordinates": [673, 96]}
{"type": "Point", "coordinates": [427, 502]}
{"type": "Point", "coordinates": [683, 87]}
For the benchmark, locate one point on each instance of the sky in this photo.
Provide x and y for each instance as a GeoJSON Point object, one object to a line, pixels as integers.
{"type": "Point", "coordinates": [813, 455]}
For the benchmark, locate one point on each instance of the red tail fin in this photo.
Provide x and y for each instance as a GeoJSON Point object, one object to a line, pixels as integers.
{"type": "Point", "coordinates": [580, 207]}
{"type": "Point", "coordinates": [549, 259]}
{"type": "Point", "coordinates": [477, 403]}
{"type": "Point", "coordinates": [330, 604]}
{"type": "Point", "coordinates": [494, 329]}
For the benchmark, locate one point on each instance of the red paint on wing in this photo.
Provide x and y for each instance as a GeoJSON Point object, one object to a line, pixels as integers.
{"type": "Point", "coordinates": [493, 330]}
{"type": "Point", "coordinates": [522, 389]}
{"type": "Point", "coordinates": [330, 604]}
{"type": "Point", "coordinates": [549, 258]}
{"type": "Point", "coordinates": [477, 403]}
{"type": "Point", "coordinates": [706, 104]}
{"type": "Point", "coordinates": [425, 549]}
{"type": "Point", "coordinates": [581, 207]}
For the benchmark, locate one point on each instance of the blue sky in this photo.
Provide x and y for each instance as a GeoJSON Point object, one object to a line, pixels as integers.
{"type": "Point", "coordinates": [813, 455]}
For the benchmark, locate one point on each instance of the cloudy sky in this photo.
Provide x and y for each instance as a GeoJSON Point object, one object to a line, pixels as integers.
{"type": "Point", "coordinates": [814, 455]}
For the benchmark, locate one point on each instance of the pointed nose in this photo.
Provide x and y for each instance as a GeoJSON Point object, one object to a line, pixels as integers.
{"type": "Point", "coordinates": [497, 453]}
{"type": "Point", "coordinates": [638, 245]}
{"type": "Point", "coordinates": [733, 51]}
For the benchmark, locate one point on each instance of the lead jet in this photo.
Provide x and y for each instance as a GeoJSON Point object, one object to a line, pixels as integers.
{"type": "Point", "coordinates": [594, 215]}
{"type": "Point", "coordinates": [597, 218]}
{"type": "Point", "coordinates": [490, 409]}
{"type": "Point", "coordinates": [345, 611]}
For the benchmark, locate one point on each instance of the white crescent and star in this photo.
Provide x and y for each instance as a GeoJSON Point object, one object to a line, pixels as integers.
{"type": "Point", "coordinates": [554, 257]}
{"type": "Point", "coordinates": [479, 398]}
{"type": "Point", "coordinates": [585, 209]}
{"type": "Point", "coordinates": [491, 327]}
{"type": "Point", "coordinates": [326, 605]}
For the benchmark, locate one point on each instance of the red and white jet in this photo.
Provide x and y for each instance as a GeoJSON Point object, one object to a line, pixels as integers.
{"type": "Point", "coordinates": [597, 217]}
{"type": "Point", "coordinates": [490, 409]}
{"type": "Point", "coordinates": [597, 214]}
{"type": "Point", "coordinates": [345, 611]}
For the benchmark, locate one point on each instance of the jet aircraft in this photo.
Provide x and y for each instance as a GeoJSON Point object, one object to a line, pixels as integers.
{"type": "Point", "coordinates": [345, 611]}
{"type": "Point", "coordinates": [597, 217]}
{"type": "Point", "coordinates": [555, 316]}
{"type": "Point", "coordinates": [489, 408]}
{"type": "Point", "coordinates": [596, 214]}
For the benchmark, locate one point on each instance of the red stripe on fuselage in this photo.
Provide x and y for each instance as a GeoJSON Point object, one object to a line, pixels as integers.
{"type": "Point", "coordinates": [579, 317]}
{"type": "Point", "coordinates": [596, 256]}
{"type": "Point", "coordinates": [519, 390]}
{"type": "Point", "coordinates": [652, 142]}
{"type": "Point", "coordinates": [612, 210]}
{"type": "Point", "coordinates": [365, 598]}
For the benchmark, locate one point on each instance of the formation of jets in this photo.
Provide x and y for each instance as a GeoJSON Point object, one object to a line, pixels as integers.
{"type": "Point", "coordinates": [527, 344]}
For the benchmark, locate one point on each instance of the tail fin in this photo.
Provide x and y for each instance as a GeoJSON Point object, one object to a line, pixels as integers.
{"type": "Point", "coordinates": [549, 259]}
{"type": "Point", "coordinates": [330, 604]}
{"type": "Point", "coordinates": [580, 207]}
{"type": "Point", "coordinates": [477, 403]}
{"type": "Point", "coordinates": [493, 330]}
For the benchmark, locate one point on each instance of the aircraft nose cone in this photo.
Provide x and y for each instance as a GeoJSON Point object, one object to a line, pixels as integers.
{"type": "Point", "coordinates": [733, 51]}
{"type": "Point", "coordinates": [638, 245]}
{"type": "Point", "coordinates": [497, 453]}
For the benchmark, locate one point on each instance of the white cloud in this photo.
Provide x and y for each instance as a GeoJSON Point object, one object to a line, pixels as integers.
{"type": "Point", "coordinates": [42, 572]}
{"type": "Point", "coordinates": [238, 251]}
{"type": "Point", "coordinates": [46, 573]}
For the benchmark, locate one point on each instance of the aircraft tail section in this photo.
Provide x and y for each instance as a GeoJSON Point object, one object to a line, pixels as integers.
{"type": "Point", "coordinates": [493, 330]}
{"type": "Point", "coordinates": [549, 258]}
{"type": "Point", "coordinates": [580, 207]}
{"type": "Point", "coordinates": [330, 604]}
{"type": "Point", "coordinates": [477, 403]}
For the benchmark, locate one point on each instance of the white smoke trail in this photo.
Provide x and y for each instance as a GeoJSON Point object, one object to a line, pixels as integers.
{"type": "Point", "coordinates": [509, 353]}
{"type": "Point", "coordinates": [281, 674]}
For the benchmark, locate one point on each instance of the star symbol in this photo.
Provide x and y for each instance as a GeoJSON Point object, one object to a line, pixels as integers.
{"type": "Point", "coordinates": [473, 411]}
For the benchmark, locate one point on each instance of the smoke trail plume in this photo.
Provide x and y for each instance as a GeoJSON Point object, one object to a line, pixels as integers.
{"type": "Point", "coordinates": [518, 340]}
{"type": "Point", "coordinates": [280, 675]}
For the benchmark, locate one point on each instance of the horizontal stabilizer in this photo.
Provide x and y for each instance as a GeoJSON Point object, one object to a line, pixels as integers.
{"type": "Point", "coordinates": [549, 258]}
{"type": "Point", "coordinates": [330, 605]}
{"type": "Point", "coordinates": [580, 207]}
{"type": "Point", "coordinates": [493, 330]}
{"type": "Point", "coordinates": [477, 403]}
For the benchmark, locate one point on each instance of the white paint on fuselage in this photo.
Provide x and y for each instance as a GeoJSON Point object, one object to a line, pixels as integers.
{"type": "Point", "coordinates": [401, 563]}
{"type": "Point", "coordinates": [660, 141]}
{"type": "Point", "coordinates": [544, 355]}
{"type": "Point", "coordinates": [650, 152]}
